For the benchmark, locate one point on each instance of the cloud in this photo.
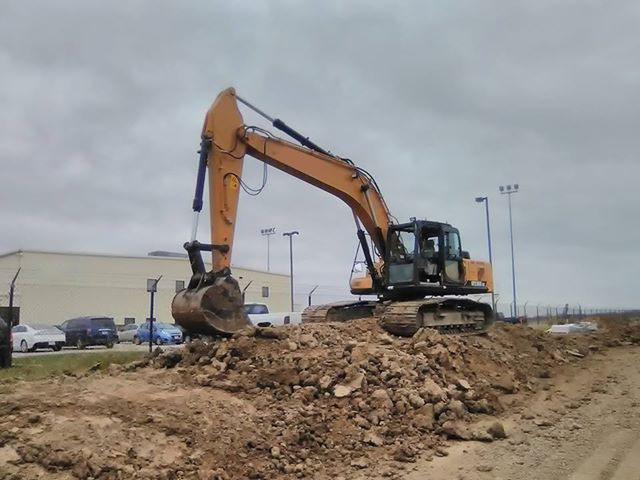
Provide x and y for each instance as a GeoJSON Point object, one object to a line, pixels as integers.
{"type": "Point", "coordinates": [103, 103]}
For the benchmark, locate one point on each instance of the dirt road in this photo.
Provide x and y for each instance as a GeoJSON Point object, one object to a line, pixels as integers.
{"type": "Point", "coordinates": [586, 426]}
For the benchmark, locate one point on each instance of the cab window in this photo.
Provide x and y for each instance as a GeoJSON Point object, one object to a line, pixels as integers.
{"type": "Point", "coordinates": [453, 250]}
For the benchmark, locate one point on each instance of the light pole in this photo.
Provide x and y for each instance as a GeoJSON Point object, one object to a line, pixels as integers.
{"type": "Point", "coordinates": [290, 235]}
{"type": "Point", "coordinates": [267, 232]}
{"type": "Point", "coordinates": [485, 200]}
{"type": "Point", "coordinates": [509, 190]}
{"type": "Point", "coordinates": [152, 288]}
{"type": "Point", "coordinates": [311, 293]}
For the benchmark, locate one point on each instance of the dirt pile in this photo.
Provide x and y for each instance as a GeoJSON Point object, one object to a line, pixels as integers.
{"type": "Point", "coordinates": [345, 393]}
{"type": "Point", "coordinates": [314, 401]}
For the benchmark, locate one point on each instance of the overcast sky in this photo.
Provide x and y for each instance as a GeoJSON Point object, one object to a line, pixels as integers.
{"type": "Point", "coordinates": [101, 105]}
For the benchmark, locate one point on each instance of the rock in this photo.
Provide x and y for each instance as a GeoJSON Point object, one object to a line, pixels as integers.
{"type": "Point", "coordinates": [575, 353]}
{"type": "Point", "coordinates": [361, 422]}
{"type": "Point", "coordinates": [423, 422]}
{"type": "Point", "coordinates": [222, 351]}
{"type": "Point", "coordinates": [481, 436]}
{"type": "Point", "coordinates": [441, 451]}
{"type": "Point", "coordinates": [341, 391]}
{"type": "Point", "coordinates": [324, 382]}
{"type": "Point", "coordinates": [542, 422]}
{"type": "Point", "coordinates": [380, 399]}
{"type": "Point", "coordinates": [204, 360]}
{"type": "Point", "coordinates": [484, 468]}
{"type": "Point", "coordinates": [360, 462]}
{"type": "Point", "coordinates": [33, 419]}
{"type": "Point", "coordinates": [463, 384]}
{"type": "Point", "coordinates": [247, 331]}
{"type": "Point", "coordinates": [455, 431]}
{"type": "Point", "coordinates": [373, 438]}
{"type": "Point", "coordinates": [275, 452]}
{"type": "Point", "coordinates": [504, 384]}
{"type": "Point", "coordinates": [353, 382]}
{"type": "Point", "coordinates": [385, 339]}
{"type": "Point", "coordinates": [168, 359]}
{"type": "Point", "coordinates": [432, 392]}
{"type": "Point", "coordinates": [203, 380]}
{"type": "Point", "coordinates": [456, 407]}
{"type": "Point", "coordinates": [405, 453]}
{"type": "Point", "coordinates": [420, 346]}
{"type": "Point", "coordinates": [272, 333]}
{"type": "Point", "coordinates": [415, 400]}
{"type": "Point", "coordinates": [292, 346]}
{"type": "Point", "coordinates": [360, 354]}
{"type": "Point", "coordinates": [496, 430]}
{"type": "Point", "coordinates": [308, 340]}
{"type": "Point", "coordinates": [440, 354]}
{"type": "Point", "coordinates": [274, 378]}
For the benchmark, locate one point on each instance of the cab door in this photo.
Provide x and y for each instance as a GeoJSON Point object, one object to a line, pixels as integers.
{"type": "Point", "coordinates": [453, 269]}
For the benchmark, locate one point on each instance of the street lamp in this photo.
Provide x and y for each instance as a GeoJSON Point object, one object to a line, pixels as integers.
{"type": "Point", "coordinates": [267, 232]}
{"type": "Point", "coordinates": [152, 288]}
{"type": "Point", "coordinates": [485, 200]}
{"type": "Point", "coordinates": [290, 235]}
{"type": "Point", "coordinates": [509, 190]}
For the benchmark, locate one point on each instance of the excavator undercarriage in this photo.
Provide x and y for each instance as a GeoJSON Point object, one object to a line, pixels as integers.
{"type": "Point", "coordinates": [404, 318]}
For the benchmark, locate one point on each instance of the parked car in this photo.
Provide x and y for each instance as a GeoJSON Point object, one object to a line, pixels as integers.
{"type": "Point", "coordinates": [6, 345]}
{"type": "Point", "coordinates": [87, 331]}
{"type": "Point", "coordinates": [29, 337]}
{"type": "Point", "coordinates": [260, 316]}
{"type": "Point", "coordinates": [162, 333]}
{"type": "Point", "coordinates": [186, 335]}
{"type": "Point", "coordinates": [255, 308]}
{"type": "Point", "coordinates": [128, 333]}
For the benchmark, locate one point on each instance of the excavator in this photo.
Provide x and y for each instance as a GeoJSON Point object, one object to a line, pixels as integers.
{"type": "Point", "coordinates": [417, 270]}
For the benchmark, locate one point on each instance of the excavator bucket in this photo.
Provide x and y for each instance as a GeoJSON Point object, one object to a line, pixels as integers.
{"type": "Point", "coordinates": [215, 309]}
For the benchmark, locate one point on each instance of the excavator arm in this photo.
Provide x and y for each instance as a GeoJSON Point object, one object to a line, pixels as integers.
{"type": "Point", "coordinates": [212, 301]}
{"type": "Point", "coordinates": [232, 140]}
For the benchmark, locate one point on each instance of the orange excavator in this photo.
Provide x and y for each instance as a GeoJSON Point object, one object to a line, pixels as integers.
{"type": "Point", "coordinates": [417, 269]}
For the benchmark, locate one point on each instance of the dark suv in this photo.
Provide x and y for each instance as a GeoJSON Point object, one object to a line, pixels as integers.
{"type": "Point", "coordinates": [86, 331]}
{"type": "Point", "coordinates": [6, 346]}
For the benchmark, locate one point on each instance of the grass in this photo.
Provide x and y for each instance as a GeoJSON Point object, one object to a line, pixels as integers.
{"type": "Point", "coordinates": [47, 366]}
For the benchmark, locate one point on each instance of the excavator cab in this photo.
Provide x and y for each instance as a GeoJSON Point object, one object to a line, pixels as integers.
{"type": "Point", "coordinates": [426, 258]}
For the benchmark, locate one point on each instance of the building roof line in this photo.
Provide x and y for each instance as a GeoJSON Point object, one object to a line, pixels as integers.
{"type": "Point", "coordinates": [112, 255]}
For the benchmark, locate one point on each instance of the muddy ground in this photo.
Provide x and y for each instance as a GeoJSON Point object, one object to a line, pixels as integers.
{"type": "Point", "coordinates": [341, 401]}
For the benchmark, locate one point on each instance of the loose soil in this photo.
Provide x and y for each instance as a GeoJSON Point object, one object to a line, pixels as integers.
{"type": "Point", "coordinates": [340, 401]}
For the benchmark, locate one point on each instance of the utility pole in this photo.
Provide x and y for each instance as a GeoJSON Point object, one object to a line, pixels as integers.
{"type": "Point", "coordinates": [485, 200]}
{"type": "Point", "coordinates": [11, 320]}
{"type": "Point", "coordinates": [509, 190]}
{"type": "Point", "coordinates": [290, 235]}
{"type": "Point", "coordinates": [152, 288]}
{"type": "Point", "coordinates": [267, 232]}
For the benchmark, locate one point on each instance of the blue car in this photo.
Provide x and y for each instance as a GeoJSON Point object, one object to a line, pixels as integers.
{"type": "Point", "coordinates": [162, 333]}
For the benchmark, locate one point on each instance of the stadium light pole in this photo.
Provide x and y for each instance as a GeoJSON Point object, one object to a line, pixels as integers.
{"type": "Point", "coordinates": [267, 232]}
{"type": "Point", "coordinates": [290, 235]}
{"type": "Point", "coordinates": [485, 200]}
{"type": "Point", "coordinates": [509, 190]}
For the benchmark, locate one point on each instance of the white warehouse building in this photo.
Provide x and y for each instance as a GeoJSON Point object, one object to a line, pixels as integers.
{"type": "Point", "coordinates": [55, 286]}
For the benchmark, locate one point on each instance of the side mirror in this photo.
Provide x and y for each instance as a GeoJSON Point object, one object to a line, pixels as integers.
{"type": "Point", "coordinates": [466, 255]}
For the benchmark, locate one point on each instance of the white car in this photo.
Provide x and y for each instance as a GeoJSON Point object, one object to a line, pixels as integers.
{"type": "Point", "coordinates": [28, 338]}
{"type": "Point", "coordinates": [260, 316]}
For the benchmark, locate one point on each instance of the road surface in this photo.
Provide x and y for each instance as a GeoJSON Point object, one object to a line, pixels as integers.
{"type": "Point", "coordinates": [586, 426]}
